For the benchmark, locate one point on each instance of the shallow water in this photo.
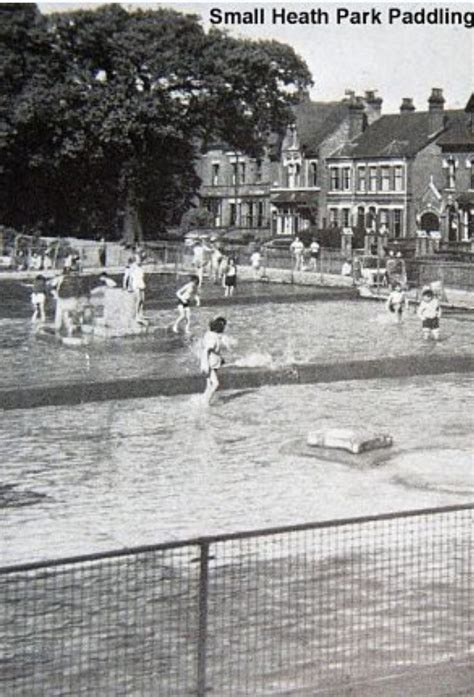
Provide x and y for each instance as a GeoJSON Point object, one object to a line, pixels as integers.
{"type": "Point", "coordinates": [264, 335]}
{"type": "Point", "coordinates": [142, 471]}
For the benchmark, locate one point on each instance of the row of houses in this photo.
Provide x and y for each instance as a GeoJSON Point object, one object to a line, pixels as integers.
{"type": "Point", "coordinates": [346, 165]}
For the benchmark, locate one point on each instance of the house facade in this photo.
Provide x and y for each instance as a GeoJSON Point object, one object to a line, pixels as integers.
{"type": "Point", "coordinates": [406, 173]}
{"type": "Point", "coordinates": [345, 165]}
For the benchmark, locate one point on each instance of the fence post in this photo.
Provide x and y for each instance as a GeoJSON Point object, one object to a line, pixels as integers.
{"type": "Point", "coordinates": [202, 627]}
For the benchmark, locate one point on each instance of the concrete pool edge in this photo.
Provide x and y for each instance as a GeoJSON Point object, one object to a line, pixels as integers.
{"type": "Point", "coordinates": [232, 379]}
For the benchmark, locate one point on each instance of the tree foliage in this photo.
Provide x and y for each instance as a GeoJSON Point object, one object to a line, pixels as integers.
{"type": "Point", "coordinates": [103, 112]}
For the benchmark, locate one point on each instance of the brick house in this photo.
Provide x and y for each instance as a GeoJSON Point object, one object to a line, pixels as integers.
{"type": "Point", "coordinates": [397, 176]}
{"type": "Point", "coordinates": [298, 196]}
{"type": "Point", "coordinates": [236, 188]}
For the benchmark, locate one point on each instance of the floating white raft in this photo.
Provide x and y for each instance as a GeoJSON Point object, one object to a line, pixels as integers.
{"type": "Point", "coordinates": [351, 440]}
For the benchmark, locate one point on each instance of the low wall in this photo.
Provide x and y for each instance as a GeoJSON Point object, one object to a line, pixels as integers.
{"type": "Point", "coordinates": [232, 379]}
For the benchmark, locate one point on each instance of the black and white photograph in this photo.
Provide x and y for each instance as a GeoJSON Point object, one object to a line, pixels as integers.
{"type": "Point", "coordinates": [236, 339]}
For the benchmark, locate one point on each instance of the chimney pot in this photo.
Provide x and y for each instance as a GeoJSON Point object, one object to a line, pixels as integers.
{"type": "Point", "coordinates": [407, 105]}
{"type": "Point", "coordinates": [436, 100]}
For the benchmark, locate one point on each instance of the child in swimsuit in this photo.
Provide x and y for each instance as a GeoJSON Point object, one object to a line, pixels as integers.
{"type": "Point", "coordinates": [186, 295]}
{"type": "Point", "coordinates": [38, 298]}
{"type": "Point", "coordinates": [230, 278]}
{"type": "Point", "coordinates": [397, 302]}
{"type": "Point", "coordinates": [429, 311]}
{"type": "Point", "coordinates": [211, 359]}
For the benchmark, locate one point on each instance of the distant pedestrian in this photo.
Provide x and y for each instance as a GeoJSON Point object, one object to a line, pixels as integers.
{"type": "Point", "coordinates": [136, 284]}
{"type": "Point", "coordinates": [256, 263]}
{"type": "Point", "coordinates": [186, 295]}
{"type": "Point", "coordinates": [429, 311]}
{"type": "Point", "coordinates": [314, 249]}
{"type": "Point", "coordinates": [230, 278]}
{"type": "Point", "coordinates": [211, 359]}
{"type": "Point", "coordinates": [297, 249]}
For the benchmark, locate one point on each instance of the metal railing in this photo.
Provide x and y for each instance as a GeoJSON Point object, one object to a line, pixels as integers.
{"type": "Point", "coordinates": [259, 613]}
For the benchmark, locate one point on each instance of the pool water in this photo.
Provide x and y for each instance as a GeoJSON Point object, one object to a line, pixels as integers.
{"type": "Point", "coordinates": [143, 471]}
{"type": "Point", "coordinates": [264, 335]}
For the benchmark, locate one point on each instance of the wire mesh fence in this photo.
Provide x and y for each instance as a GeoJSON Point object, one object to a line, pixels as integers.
{"type": "Point", "coordinates": [261, 613]}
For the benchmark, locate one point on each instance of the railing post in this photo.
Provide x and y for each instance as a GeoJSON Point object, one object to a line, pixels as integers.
{"type": "Point", "coordinates": [203, 615]}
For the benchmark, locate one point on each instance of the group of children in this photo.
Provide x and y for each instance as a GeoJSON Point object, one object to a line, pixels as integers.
{"type": "Point", "coordinates": [429, 309]}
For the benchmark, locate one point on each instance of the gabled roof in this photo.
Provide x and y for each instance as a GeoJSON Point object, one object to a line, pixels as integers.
{"type": "Point", "coordinates": [459, 132]}
{"type": "Point", "coordinates": [315, 121]}
{"type": "Point", "coordinates": [393, 135]}
{"type": "Point", "coordinates": [399, 135]}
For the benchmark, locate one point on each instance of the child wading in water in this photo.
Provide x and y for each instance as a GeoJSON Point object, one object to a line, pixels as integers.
{"type": "Point", "coordinates": [429, 312]}
{"type": "Point", "coordinates": [187, 294]}
{"type": "Point", "coordinates": [230, 278]}
{"type": "Point", "coordinates": [397, 302]}
{"type": "Point", "coordinates": [211, 359]}
{"type": "Point", "coordinates": [38, 298]}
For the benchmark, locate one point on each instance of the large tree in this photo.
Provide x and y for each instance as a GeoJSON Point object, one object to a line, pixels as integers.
{"type": "Point", "coordinates": [113, 106]}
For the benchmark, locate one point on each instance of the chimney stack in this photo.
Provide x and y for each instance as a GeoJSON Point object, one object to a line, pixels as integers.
{"type": "Point", "coordinates": [357, 117]}
{"type": "Point", "coordinates": [436, 110]}
{"type": "Point", "coordinates": [373, 106]}
{"type": "Point", "coordinates": [407, 105]}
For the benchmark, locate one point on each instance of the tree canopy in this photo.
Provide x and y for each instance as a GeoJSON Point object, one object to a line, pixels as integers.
{"type": "Point", "coordinates": [103, 112]}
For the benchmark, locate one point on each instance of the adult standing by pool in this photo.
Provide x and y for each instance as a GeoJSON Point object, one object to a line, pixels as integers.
{"type": "Point", "coordinates": [297, 249]}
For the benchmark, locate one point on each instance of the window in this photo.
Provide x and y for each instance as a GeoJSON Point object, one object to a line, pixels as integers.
{"type": "Point", "coordinates": [451, 173]}
{"type": "Point", "coordinates": [335, 179]}
{"type": "Point", "coordinates": [242, 172]}
{"type": "Point", "coordinates": [397, 223]}
{"type": "Point", "coordinates": [346, 178]}
{"type": "Point", "coordinates": [234, 173]}
{"type": "Point", "coordinates": [258, 171]}
{"type": "Point", "coordinates": [398, 178]}
{"type": "Point", "coordinates": [297, 174]}
{"type": "Point", "coordinates": [361, 183]}
{"type": "Point", "coordinates": [471, 185]}
{"type": "Point", "coordinates": [333, 217]}
{"type": "Point", "coordinates": [346, 214]}
{"type": "Point", "coordinates": [372, 178]}
{"type": "Point", "coordinates": [233, 214]}
{"type": "Point", "coordinates": [313, 174]}
{"type": "Point", "coordinates": [250, 214]}
{"type": "Point", "coordinates": [385, 178]}
{"type": "Point", "coordinates": [261, 214]}
{"type": "Point", "coordinates": [383, 219]}
{"type": "Point", "coordinates": [215, 174]}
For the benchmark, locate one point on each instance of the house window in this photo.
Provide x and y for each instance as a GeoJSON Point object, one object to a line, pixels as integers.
{"type": "Point", "coordinates": [333, 217]}
{"type": "Point", "coordinates": [361, 182]}
{"type": "Point", "coordinates": [385, 172]}
{"type": "Point", "coordinates": [372, 178]}
{"type": "Point", "coordinates": [313, 174]}
{"type": "Point", "coordinates": [214, 206]}
{"type": "Point", "coordinates": [335, 179]}
{"type": "Point", "coordinates": [397, 223]}
{"type": "Point", "coordinates": [250, 214]}
{"type": "Point", "coordinates": [451, 173]}
{"type": "Point", "coordinates": [234, 173]}
{"type": "Point", "coordinates": [398, 178]}
{"type": "Point", "coordinates": [346, 215]}
{"type": "Point", "coordinates": [258, 171]}
{"type": "Point", "coordinates": [297, 174]}
{"type": "Point", "coordinates": [215, 174]}
{"type": "Point", "coordinates": [346, 178]}
{"type": "Point", "coordinates": [233, 214]}
{"type": "Point", "coordinates": [260, 213]}
{"type": "Point", "coordinates": [383, 218]}
{"type": "Point", "coordinates": [471, 185]}
{"type": "Point", "coordinates": [242, 172]}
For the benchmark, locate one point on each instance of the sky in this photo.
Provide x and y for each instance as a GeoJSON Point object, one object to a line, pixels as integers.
{"type": "Point", "coordinates": [396, 60]}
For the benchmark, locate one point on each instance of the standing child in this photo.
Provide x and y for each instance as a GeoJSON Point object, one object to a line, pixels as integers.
{"type": "Point", "coordinates": [230, 278]}
{"type": "Point", "coordinates": [256, 261]}
{"type": "Point", "coordinates": [38, 298]}
{"type": "Point", "coordinates": [429, 311]}
{"type": "Point", "coordinates": [397, 302]}
{"type": "Point", "coordinates": [186, 295]}
{"type": "Point", "coordinates": [211, 359]}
